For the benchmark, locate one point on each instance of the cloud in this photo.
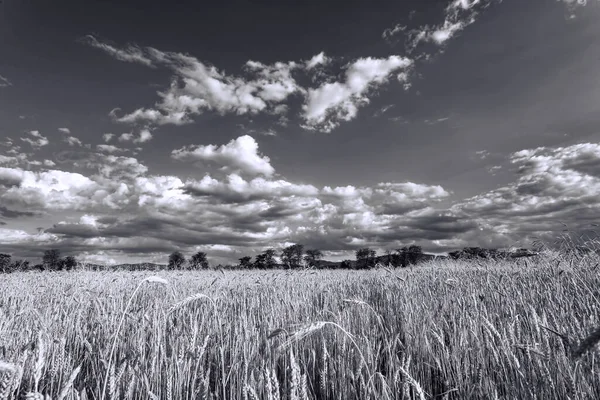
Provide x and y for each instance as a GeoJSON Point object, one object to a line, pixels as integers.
{"type": "Point", "coordinates": [107, 137]}
{"type": "Point", "coordinates": [108, 148]}
{"type": "Point", "coordinates": [458, 15]}
{"type": "Point", "coordinates": [65, 130]}
{"type": "Point", "coordinates": [239, 154]}
{"type": "Point", "coordinates": [333, 102]}
{"type": "Point", "coordinates": [8, 213]}
{"type": "Point", "coordinates": [554, 184]}
{"type": "Point", "coordinates": [144, 136]}
{"type": "Point", "coordinates": [72, 140]}
{"type": "Point", "coordinates": [131, 53]}
{"type": "Point", "coordinates": [38, 141]}
{"type": "Point", "coordinates": [4, 82]}
{"type": "Point", "coordinates": [198, 87]}
{"type": "Point", "coordinates": [238, 190]}
{"type": "Point", "coordinates": [317, 60]}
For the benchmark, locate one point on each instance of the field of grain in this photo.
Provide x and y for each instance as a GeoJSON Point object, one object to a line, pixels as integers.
{"type": "Point", "coordinates": [446, 330]}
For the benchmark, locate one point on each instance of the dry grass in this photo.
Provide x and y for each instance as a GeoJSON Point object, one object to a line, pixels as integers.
{"type": "Point", "coordinates": [441, 331]}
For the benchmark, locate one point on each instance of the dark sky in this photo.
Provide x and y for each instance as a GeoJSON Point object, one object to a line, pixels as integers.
{"type": "Point", "coordinates": [129, 129]}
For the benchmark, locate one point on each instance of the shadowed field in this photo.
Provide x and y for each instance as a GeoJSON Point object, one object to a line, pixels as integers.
{"type": "Point", "coordinates": [448, 330]}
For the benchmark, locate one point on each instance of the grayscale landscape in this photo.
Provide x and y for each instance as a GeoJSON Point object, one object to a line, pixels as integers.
{"type": "Point", "coordinates": [293, 200]}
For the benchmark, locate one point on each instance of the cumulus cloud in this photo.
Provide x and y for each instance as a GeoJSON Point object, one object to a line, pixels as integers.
{"type": "Point", "coordinates": [107, 137]}
{"type": "Point", "coordinates": [144, 136]}
{"type": "Point", "coordinates": [197, 87]}
{"type": "Point", "coordinates": [316, 60]}
{"type": "Point", "coordinates": [36, 140]}
{"type": "Point", "coordinates": [333, 102]}
{"type": "Point", "coordinates": [239, 154]}
{"type": "Point", "coordinates": [554, 184]}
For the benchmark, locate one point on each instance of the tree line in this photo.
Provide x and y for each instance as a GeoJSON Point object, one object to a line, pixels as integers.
{"type": "Point", "coordinates": [291, 257]}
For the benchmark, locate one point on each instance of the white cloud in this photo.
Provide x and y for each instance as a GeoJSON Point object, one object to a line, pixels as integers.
{"type": "Point", "coordinates": [38, 141]}
{"type": "Point", "coordinates": [109, 148]}
{"type": "Point", "coordinates": [144, 136]}
{"type": "Point", "coordinates": [198, 87]}
{"type": "Point", "coordinates": [129, 54]}
{"type": "Point", "coordinates": [107, 137]}
{"type": "Point", "coordinates": [72, 141]}
{"type": "Point", "coordinates": [4, 82]}
{"type": "Point", "coordinates": [317, 60]}
{"type": "Point", "coordinates": [331, 103]}
{"type": "Point", "coordinates": [64, 130]}
{"type": "Point", "coordinates": [458, 15]}
{"type": "Point", "coordinates": [239, 154]}
{"type": "Point", "coordinates": [236, 189]}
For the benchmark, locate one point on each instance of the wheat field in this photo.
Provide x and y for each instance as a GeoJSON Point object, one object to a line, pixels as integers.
{"type": "Point", "coordinates": [444, 330]}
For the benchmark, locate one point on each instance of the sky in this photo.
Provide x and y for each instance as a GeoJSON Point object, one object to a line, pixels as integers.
{"type": "Point", "coordinates": [132, 129]}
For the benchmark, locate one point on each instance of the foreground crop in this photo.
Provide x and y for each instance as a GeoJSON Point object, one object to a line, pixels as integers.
{"type": "Point", "coordinates": [443, 331]}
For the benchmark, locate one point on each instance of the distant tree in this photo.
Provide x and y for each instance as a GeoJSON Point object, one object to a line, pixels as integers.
{"type": "Point", "coordinates": [312, 257]}
{"type": "Point", "coordinates": [199, 261]}
{"type": "Point", "coordinates": [415, 253]}
{"type": "Point", "coordinates": [292, 256]}
{"type": "Point", "coordinates": [346, 264]}
{"type": "Point", "coordinates": [19, 265]}
{"type": "Point", "coordinates": [365, 258]}
{"type": "Point", "coordinates": [176, 260]}
{"type": "Point", "coordinates": [259, 261]}
{"type": "Point", "coordinates": [51, 259]}
{"type": "Point", "coordinates": [5, 262]}
{"type": "Point", "coordinates": [68, 263]}
{"type": "Point", "coordinates": [402, 256]}
{"type": "Point", "coordinates": [389, 259]}
{"type": "Point", "coordinates": [269, 260]}
{"type": "Point", "coordinates": [246, 262]}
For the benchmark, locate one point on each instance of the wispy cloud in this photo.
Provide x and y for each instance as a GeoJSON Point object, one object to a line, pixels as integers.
{"type": "Point", "coordinates": [4, 82]}
{"type": "Point", "coordinates": [130, 53]}
{"type": "Point", "coordinates": [458, 15]}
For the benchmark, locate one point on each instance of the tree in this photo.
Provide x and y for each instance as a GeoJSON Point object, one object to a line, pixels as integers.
{"type": "Point", "coordinates": [389, 259]}
{"type": "Point", "coordinates": [415, 253]}
{"type": "Point", "coordinates": [346, 264]}
{"type": "Point", "coordinates": [51, 259]}
{"type": "Point", "coordinates": [245, 262]}
{"type": "Point", "coordinates": [4, 263]}
{"type": "Point", "coordinates": [265, 260]}
{"type": "Point", "coordinates": [312, 257]}
{"type": "Point", "coordinates": [365, 258]}
{"type": "Point", "coordinates": [199, 260]}
{"type": "Point", "coordinates": [292, 256]}
{"type": "Point", "coordinates": [402, 256]}
{"type": "Point", "coordinates": [19, 265]}
{"type": "Point", "coordinates": [68, 263]}
{"type": "Point", "coordinates": [176, 260]}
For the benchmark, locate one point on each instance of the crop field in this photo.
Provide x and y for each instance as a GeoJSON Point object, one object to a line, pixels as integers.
{"type": "Point", "coordinates": [444, 330]}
